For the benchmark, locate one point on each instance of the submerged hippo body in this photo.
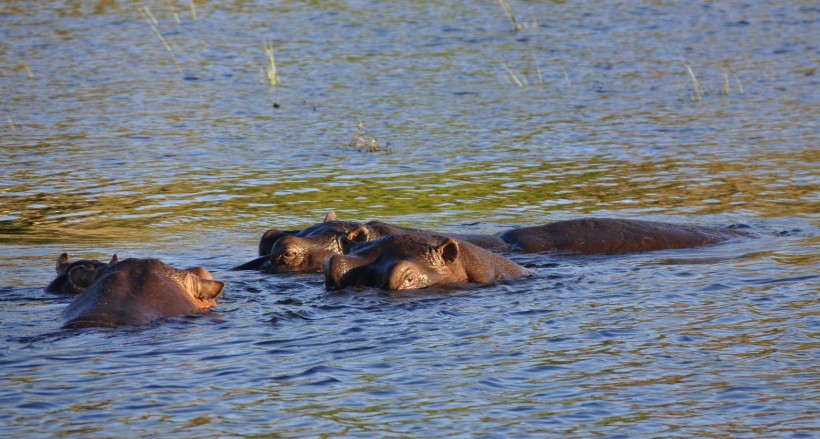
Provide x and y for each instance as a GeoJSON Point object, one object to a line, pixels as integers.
{"type": "Point", "coordinates": [612, 236]}
{"type": "Point", "coordinates": [62, 283]}
{"type": "Point", "coordinates": [404, 262]}
{"type": "Point", "coordinates": [138, 291]}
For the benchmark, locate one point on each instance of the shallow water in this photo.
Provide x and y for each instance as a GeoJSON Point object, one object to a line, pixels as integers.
{"type": "Point", "coordinates": [112, 145]}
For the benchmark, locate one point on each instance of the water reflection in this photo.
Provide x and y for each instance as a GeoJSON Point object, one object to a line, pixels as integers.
{"type": "Point", "coordinates": [707, 185]}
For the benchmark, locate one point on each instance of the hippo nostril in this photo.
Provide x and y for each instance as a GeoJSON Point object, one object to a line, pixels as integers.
{"type": "Point", "coordinates": [338, 270]}
{"type": "Point", "coordinates": [331, 267]}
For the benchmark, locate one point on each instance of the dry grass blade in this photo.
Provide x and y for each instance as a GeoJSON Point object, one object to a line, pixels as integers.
{"type": "Point", "coordinates": [149, 17]}
{"type": "Point", "coordinates": [508, 9]}
{"type": "Point", "coordinates": [518, 81]}
{"type": "Point", "coordinates": [726, 82]}
{"type": "Point", "coordinates": [538, 70]}
{"type": "Point", "coordinates": [695, 84]}
{"type": "Point", "coordinates": [271, 72]}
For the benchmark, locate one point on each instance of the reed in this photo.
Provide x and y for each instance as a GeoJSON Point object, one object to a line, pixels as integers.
{"type": "Point", "coordinates": [566, 78]}
{"type": "Point", "coordinates": [149, 17]}
{"type": "Point", "coordinates": [538, 70]}
{"type": "Point", "coordinates": [726, 82]}
{"type": "Point", "coordinates": [695, 83]}
{"type": "Point", "coordinates": [173, 10]}
{"type": "Point", "coordinates": [193, 9]}
{"type": "Point", "coordinates": [270, 72]}
{"type": "Point", "coordinates": [508, 9]}
{"type": "Point", "coordinates": [510, 75]}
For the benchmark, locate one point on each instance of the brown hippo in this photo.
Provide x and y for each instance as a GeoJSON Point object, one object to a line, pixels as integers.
{"type": "Point", "coordinates": [62, 284]}
{"type": "Point", "coordinates": [301, 248]}
{"type": "Point", "coordinates": [305, 250]}
{"type": "Point", "coordinates": [612, 236]}
{"type": "Point", "coordinates": [405, 262]}
{"type": "Point", "coordinates": [138, 291]}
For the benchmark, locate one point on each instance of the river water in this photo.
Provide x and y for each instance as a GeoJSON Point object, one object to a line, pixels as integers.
{"type": "Point", "coordinates": [153, 129]}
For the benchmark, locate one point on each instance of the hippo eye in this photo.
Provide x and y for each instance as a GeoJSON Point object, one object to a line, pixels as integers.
{"type": "Point", "coordinates": [410, 280]}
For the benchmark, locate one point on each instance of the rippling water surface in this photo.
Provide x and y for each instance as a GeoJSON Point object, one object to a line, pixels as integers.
{"type": "Point", "coordinates": [150, 129]}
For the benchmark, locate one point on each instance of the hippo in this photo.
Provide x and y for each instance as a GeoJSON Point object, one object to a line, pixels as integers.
{"type": "Point", "coordinates": [613, 236]}
{"type": "Point", "coordinates": [62, 284]}
{"type": "Point", "coordinates": [406, 262]}
{"type": "Point", "coordinates": [138, 291]}
{"type": "Point", "coordinates": [306, 250]}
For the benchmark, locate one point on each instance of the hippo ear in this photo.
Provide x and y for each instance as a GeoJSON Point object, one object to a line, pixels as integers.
{"type": "Point", "coordinates": [448, 250]}
{"type": "Point", "coordinates": [62, 263]}
{"type": "Point", "coordinates": [209, 289]}
{"type": "Point", "coordinates": [331, 216]}
{"type": "Point", "coordinates": [114, 260]}
{"type": "Point", "coordinates": [359, 234]}
{"type": "Point", "coordinates": [269, 238]}
{"type": "Point", "coordinates": [200, 272]}
{"type": "Point", "coordinates": [81, 277]}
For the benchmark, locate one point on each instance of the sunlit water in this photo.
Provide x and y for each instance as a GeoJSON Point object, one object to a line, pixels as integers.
{"type": "Point", "coordinates": [112, 143]}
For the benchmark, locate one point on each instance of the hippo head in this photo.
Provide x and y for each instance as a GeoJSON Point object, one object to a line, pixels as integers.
{"type": "Point", "coordinates": [138, 291]}
{"type": "Point", "coordinates": [197, 282]}
{"type": "Point", "coordinates": [66, 271]}
{"type": "Point", "coordinates": [272, 235]}
{"type": "Point", "coordinates": [396, 262]}
{"type": "Point", "coordinates": [308, 251]}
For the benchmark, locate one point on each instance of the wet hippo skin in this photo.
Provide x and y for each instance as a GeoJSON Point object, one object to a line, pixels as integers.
{"type": "Point", "coordinates": [138, 291]}
{"type": "Point", "coordinates": [62, 284]}
{"type": "Point", "coordinates": [612, 236]}
{"type": "Point", "coordinates": [404, 262]}
{"type": "Point", "coordinates": [306, 250]}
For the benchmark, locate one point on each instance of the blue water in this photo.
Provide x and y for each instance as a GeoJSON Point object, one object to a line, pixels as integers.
{"type": "Point", "coordinates": [109, 144]}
